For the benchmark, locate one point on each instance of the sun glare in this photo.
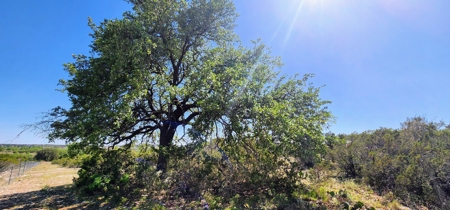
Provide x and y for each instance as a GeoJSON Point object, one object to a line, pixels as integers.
{"type": "Point", "coordinates": [293, 21]}
{"type": "Point", "coordinates": [293, 10]}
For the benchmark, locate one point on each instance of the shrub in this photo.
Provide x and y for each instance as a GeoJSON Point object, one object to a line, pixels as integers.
{"type": "Point", "coordinates": [47, 154]}
{"type": "Point", "coordinates": [10, 159]}
{"type": "Point", "coordinates": [15, 158]}
{"type": "Point", "coordinates": [411, 161]}
{"type": "Point", "coordinates": [70, 162]}
{"type": "Point", "coordinates": [101, 173]}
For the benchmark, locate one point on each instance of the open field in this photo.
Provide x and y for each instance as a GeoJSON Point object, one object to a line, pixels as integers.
{"type": "Point", "coordinates": [44, 186]}
{"type": "Point", "coordinates": [42, 176]}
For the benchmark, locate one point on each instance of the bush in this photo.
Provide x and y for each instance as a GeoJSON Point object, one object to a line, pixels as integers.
{"type": "Point", "coordinates": [411, 161]}
{"type": "Point", "coordinates": [71, 162]}
{"type": "Point", "coordinates": [47, 154]}
{"type": "Point", "coordinates": [11, 159]}
{"type": "Point", "coordinates": [15, 158]}
{"type": "Point", "coordinates": [101, 173]}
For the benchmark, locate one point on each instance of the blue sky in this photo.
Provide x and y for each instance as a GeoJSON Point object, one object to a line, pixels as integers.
{"type": "Point", "coordinates": [381, 61]}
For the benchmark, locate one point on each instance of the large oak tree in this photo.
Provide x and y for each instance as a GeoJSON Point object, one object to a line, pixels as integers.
{"type": "Point", "coordinates": [171, 63]}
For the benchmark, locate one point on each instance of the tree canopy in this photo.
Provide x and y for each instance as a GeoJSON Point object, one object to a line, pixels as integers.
{"type": "Point", "coordinates": [173, 63]}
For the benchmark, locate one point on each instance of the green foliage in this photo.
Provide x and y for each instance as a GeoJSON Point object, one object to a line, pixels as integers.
{"type": "Point", "coordinates": [15, 158]}
{"type": "Point", "coordinates": [71, 162]}
{"type": "Point", "coordinates": [48, 154]}
{"type": "Point", "coordinates": [411, 161]}
{"type": "Point", "coordinates": [101, 173]}
{"type": "Point", "coordinates": [13, 154]}
{"type": "Point", "coordinates": [62, 153]}
{"type": "Point", "coordinates": [16, 148]}
{"type": "Point", "coordinates": [28, 149]}
{"type": "Point", "coordinates": [178, 64]}
{"type": "Point", "coordinates": [356, 206]}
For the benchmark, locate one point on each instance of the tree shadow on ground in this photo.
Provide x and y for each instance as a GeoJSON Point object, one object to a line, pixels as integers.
{"type": "Point", "coordinates": [61, 197]}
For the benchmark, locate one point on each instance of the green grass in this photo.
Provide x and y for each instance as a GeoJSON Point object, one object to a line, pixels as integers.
{"type": "Point", "coordinates": [335, 193]}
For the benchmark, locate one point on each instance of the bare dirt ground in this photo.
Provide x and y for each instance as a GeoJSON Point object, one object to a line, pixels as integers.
{"type": "Point", "coordinates": [46, 186]}
{"type": "Point", "coordinates": [42, 176]}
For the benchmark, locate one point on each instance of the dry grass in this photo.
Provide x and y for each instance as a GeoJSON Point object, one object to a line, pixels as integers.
{"type": "Point", "coordinates": [45, 186]}
{"type": "Point", "coordinates": [38, 177]}
{"type": "Point", "coordinates": [354, 192]}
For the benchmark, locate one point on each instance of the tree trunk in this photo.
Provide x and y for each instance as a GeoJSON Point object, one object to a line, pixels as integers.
{"type": "Point", "coordinates": [165, 140]}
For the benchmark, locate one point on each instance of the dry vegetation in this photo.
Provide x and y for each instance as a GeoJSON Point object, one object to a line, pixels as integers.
{"type": "Point", "coordinates": [48, 186]}
{"type": "Point", "coordinates": [45, 186]}
{"type": "Point", "coordinates": [43, 175]}
{"type": "Point", "coordinates": [323, 182]}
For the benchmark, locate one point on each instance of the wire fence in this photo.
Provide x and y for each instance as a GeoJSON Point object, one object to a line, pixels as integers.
{"type": "Point", "coordinates": [9, 173]}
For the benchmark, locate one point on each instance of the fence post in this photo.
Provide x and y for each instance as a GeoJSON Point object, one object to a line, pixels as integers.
{"type": "Point", "coordinates": [10, 174]}
{"type": "Point", "coordinates": [24, 167]}
{"type": "Point", "coordinates": [18, 172]}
